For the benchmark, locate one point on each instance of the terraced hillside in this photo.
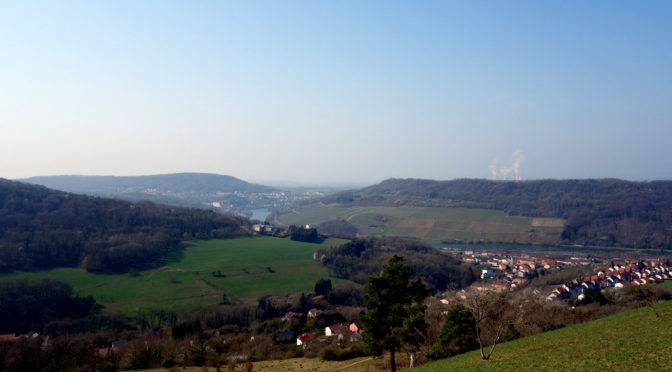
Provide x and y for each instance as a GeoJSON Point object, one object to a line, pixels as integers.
{"type": "Point", "coordinates": [433, 224]}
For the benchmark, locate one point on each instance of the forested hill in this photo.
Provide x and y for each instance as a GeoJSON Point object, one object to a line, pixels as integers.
{"type": "Point", "coordinates": [40, 228]}
{"type": "Point", "coordinates": [606, 212]}
{"type": "Point", "coordinates": [175, 182]}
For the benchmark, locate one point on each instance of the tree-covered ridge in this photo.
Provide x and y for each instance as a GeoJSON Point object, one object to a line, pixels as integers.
{"type": "Point", "coordinates": [46, 228]}
{"type": "Point", "coordinates": [361, 258]}
{"type": "Point", "coordinates": [606, 212]}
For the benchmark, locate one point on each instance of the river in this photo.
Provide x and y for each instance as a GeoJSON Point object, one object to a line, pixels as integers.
{"type": "Point", "coordinates": [260, 214]}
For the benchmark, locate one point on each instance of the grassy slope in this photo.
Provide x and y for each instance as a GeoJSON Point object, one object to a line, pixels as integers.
{"type": "Point", "coordinates": [186, 281]}
{"type": "Point", "coordinates": [633, 340]}
{"type": "Point", "coordinates": [432, 224]}
{"type": "Point", "coordinates": [363, 364]}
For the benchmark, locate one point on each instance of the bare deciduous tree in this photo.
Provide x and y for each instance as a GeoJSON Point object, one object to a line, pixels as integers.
{"type": "Point", "coordinates": [492, 315]}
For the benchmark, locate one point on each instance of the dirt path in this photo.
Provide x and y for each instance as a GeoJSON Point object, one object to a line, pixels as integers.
{"type": "Point", "coordinates": [350, 365]}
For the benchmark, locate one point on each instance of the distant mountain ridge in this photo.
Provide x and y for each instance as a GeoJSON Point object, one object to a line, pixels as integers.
{"type": "Point", "coordinates": [174, 182]}
{"type": "Point", "coordinates": [600, 212]}
{"type": "Point", "coordinates": [199, 190]}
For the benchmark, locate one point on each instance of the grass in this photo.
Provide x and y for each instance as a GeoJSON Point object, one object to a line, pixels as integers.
{"type": "Point", "coordinates": [633, 340]}
{"type": "Point", "coordinates": [186, 280]}
{"type": "Point", "coordinates": [433, 224]}
{"type": "Point", "coordinates": [364, 364]}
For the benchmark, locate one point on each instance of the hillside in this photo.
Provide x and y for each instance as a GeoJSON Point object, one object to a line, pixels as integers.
{"type": "Point", "coordinates": [606, 212]}
{"type": "Point", "coordinates": [635, 339]}
{"type": "Point", "coordinates": [198, 190]}
{"type": "Point", "coordinates": [47, 228]}
{"type": "Point", "coordinates": [430, 224]}
{"type": "Point", "coordinates": [185, 280]}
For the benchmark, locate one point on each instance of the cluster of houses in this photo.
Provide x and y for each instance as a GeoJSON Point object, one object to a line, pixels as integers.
{"type": "Point", "coordinates": [343, 332]}
{"type": "Point", "coordinates": [270, 230]}
{"type": "Point", "coordinates": [511, 270]}
{"type": "Point", "coordinates": [512, 264]}
{"type": "Point", "coordinates": [617, 276]}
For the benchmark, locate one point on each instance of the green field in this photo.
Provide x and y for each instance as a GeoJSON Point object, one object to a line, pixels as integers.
{"type": "Point", "coordinates": [633, 340]}
{"type": "Point", "coordinates": [186, 280]}
{"type": "Point", "coordinates": [433, 224]}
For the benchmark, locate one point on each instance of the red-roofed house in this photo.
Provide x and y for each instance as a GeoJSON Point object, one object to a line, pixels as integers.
{"type": "Point", "coordinates": [306, 338]}
{"type": "Point", "coordinates": [333, 330]}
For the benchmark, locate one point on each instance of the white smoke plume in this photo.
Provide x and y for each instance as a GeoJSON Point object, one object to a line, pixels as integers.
{"type": "Point", "coordinates": [518, 157]}
{"type": "Point", "coordinates": [493, 168]}
{"type": "Point", "coordinates": [502, 173]}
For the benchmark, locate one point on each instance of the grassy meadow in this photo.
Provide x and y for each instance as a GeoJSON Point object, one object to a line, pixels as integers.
{"type": "Point", "coordinates": [364, 364]}
{"type": "Point", "coordinates": [633, 340]}
{"type": "Point", "coordinates": [250, 267]}
{"type": "Point", "coordinates": [433, 224]}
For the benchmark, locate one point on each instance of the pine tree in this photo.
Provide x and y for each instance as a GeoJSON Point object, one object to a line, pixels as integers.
{"type": "Point", "coordinates": [395, 316]}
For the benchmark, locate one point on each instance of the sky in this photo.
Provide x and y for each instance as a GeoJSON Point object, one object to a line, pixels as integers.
{"type": "Point", "coordinates": [337, 92]}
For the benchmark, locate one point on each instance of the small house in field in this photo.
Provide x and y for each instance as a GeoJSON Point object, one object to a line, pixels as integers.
{"type": "Point", "coordinates": [333, 330]}
{"type": "Point", "coordinates": [306, 339]}
{"type": "Point", "coordinates": [314, 312]}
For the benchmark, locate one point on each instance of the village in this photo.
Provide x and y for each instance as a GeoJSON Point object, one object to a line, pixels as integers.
{"type": "Point", "coordinates": [509, 270]}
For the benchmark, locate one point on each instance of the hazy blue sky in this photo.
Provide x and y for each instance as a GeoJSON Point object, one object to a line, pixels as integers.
{"type": "Point", "coordinates": [338, 91]}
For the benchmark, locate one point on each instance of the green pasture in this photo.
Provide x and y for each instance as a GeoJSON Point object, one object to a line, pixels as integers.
{"type": "Point", "coordinates": [433, 224]}
{"type": "Point", "coordinates": [633, 340]}
{"type": "Point", "coordinates": [249, 268]}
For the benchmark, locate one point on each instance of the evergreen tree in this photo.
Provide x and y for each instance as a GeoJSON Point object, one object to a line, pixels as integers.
{"type": "Point", "coordinates": [458, 334]}
{"type": "Point", "coordinates": [395, 310]}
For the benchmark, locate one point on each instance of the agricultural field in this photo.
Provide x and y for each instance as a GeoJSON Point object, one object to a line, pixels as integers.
{"type": "Point", "coordinates": [613, 343]}
{"type": "Point", "coordinates": [245, 269]}
{"type": "Point", "coordinates": [433, 225]}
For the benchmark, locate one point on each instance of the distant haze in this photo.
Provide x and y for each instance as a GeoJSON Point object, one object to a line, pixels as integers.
{"type": "Point", "coordinates": [343, 93]}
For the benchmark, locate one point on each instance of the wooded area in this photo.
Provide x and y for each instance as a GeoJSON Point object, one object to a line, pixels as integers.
{"type": "Point", "coordinates": [46, 228]}
{"type": "Point", "coordinates": [361, 258]}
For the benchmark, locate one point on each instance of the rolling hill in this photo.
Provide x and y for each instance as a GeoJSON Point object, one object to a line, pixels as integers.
{"type": "Point", "coordinates": [175, 182]}
{"type": "Point", "coordinates": [199, 190]}
{"type": "Point", "coordinates": [605, 212]}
